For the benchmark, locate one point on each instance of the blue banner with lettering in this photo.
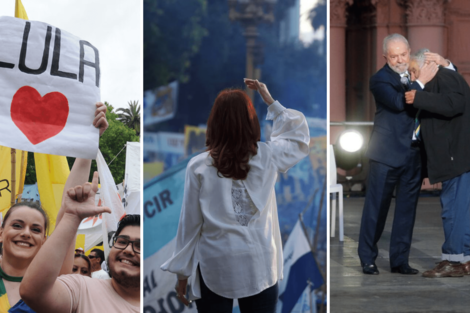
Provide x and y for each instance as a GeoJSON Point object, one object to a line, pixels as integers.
{"type": "Point", "coordinates": [298, 191]}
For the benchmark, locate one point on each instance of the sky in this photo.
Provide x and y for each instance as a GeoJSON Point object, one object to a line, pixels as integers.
{"type": "Point", "coordinates": [112, 26]}
{"type": "Point", "coordinates": [306, 33]}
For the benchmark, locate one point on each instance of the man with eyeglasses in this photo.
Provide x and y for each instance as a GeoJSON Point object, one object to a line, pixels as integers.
{"type": "Point", "coordinates": [44, 291]}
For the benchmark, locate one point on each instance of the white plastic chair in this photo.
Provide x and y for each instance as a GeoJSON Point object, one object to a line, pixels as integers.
{"type": "Point", "coordinates": [335, 188]}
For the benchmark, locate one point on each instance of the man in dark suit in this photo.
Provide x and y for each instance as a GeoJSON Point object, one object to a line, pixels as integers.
{"type": "Point", "coordinates": [444, 106]}
{"type": "Point", "coordinates": [395, 160]}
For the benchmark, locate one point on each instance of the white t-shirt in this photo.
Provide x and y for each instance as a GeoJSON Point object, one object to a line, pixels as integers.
{"type": "Point", "coordinates": [89, 295]}
{"type": "Point", "coordinates": [101, 274]}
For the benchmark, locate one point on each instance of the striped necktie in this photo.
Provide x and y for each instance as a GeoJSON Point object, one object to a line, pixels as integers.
{"type": "Point", "coordinates": [418, 126]}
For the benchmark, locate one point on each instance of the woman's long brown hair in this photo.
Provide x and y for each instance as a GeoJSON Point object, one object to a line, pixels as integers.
{"type": "Point", "coordinates": [232, 133]}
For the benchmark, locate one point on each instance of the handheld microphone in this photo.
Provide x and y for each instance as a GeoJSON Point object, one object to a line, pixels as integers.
{"type": "Point", "coordinates": [406, 83]}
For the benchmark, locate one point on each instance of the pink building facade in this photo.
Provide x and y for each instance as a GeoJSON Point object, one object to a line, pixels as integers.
{"type": "Point", "coordinates": [357, 29]}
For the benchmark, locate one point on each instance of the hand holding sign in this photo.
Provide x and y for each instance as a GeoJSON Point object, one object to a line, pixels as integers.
{"type": "Point", "coordinates": [49, 80]}
{"type": "Point", "coordinates": [100, 121]}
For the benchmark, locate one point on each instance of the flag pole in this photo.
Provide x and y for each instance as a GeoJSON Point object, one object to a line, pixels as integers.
{"type": "Point", "coordinates": [314, 245]}
{"type": "Point", "coordinates": [309, 291]}
{"type": "Point", "coordinates": [304, 228]}
{"type": "Point", "coordinates": [22, 178]}
{"type": "Point", "coordinates": [20, 12]}
{"type": "Point", "coordinates": [13, 176]}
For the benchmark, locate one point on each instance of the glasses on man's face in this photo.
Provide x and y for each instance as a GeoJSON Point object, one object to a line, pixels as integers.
{"type": "Point", "coordinates": [121, 243]}
{"type": "Point", "coordinates": [91, 257]}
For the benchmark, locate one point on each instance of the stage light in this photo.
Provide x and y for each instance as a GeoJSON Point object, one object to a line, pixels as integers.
{"type": "Point", "coordinates": [351, 140]}
{"type": "Point", "coordinates": [349, 150]}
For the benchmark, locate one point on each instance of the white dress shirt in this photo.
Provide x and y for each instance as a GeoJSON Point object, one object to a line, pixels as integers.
{"type": "Point", "coordinates": [237, 261]}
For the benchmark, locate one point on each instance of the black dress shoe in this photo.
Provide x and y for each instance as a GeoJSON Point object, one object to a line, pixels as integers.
{"type": "Point", "coordinates": [370, 269]}
{"type": "Point", "coordinates": [405, 269]}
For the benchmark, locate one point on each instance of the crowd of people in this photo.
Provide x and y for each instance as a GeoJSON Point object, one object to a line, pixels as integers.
{"type": "Point", "coordinates": [38, 273]}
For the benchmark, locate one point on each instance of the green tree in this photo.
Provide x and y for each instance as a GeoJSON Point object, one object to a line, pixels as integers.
{"type": "Point", "coordinates": [112, 143]}
{"type": "Point", "coordinates": [30, 170]}
{"type": "Point", "coordinates": [109, 107]}
{"type": "Point", "coordinates": [172, 35]}
{"type": "Point", "coordinates": [131, 116]}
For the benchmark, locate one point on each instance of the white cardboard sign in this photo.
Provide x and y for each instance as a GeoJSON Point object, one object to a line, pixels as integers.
{"type": "Point", "coordinates": [49, 84]}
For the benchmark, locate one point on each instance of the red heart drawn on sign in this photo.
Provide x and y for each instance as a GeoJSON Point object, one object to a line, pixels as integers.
{"type": "Point", "coordinates": [39, 118]}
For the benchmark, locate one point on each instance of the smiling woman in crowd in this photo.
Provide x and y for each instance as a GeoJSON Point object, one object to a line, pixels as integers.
{"type": "Point", "coordinates": [81, 265]}
{"type": "Point", "coordinates": [24, 231]}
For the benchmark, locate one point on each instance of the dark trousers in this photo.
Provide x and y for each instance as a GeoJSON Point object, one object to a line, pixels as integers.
{"type": "Point", "coordinates": [381, 182]}
{"type": "Point", "coordinates": [263, 302]}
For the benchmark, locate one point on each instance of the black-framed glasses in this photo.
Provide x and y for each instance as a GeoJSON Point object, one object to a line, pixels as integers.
{"type": "Point", "coordinates": [121, 243]}
{"type": "Point", "coordinates": [92, 257]}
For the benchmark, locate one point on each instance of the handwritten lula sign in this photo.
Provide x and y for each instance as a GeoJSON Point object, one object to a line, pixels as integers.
{"type": "Point", "coordinates": [49, 84]}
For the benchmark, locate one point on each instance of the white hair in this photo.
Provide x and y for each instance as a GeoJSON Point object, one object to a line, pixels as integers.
{"type": "Point", "coordinates": [420, 56]}
{"type": "Point", "coordinates": [393, 37]}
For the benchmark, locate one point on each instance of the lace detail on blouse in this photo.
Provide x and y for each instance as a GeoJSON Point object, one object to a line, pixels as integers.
{"type": "Point", "coordinates": [242, 204]}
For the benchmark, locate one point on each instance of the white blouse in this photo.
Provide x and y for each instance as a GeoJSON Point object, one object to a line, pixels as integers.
{"type": "Point", "coordinates": [230, 228]}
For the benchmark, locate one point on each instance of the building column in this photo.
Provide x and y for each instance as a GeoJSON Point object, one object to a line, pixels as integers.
{"type": "Point", "coordinates": [380, 21]}
{"type": "Point", "coordinates": [337, 64]}
{"type": "Point", "coordinates": [425, 21]}
{"type": "Point", "coordinates": [381, 29]}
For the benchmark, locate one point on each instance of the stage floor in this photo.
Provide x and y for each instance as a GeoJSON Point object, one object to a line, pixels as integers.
{"type": "Point", "coordinates": [352, 291]}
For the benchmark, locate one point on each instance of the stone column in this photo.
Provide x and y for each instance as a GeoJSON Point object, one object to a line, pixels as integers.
{"type": "Point", "coordinates": [381, 29]}
{"type": "Point", "coordinates": [337, 64]}
{"type": "Point", "coordinates": [425, 21]}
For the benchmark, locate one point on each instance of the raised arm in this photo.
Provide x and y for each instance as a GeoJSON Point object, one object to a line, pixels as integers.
{"type": "Point", "coordinates": [78, 176]}
{"type": "Point", "coordinates": [385, 93]}
{"type": "Point", "coordinates": [290, 135]}
{"type": "Point", "coordinates": [81, 167]}
{"type": "Point", "coordinates": [40, 288]}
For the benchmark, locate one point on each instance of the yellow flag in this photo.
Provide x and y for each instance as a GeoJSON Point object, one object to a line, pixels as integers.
{"type": "Point", "coordinates": [5, 176]}
{"type": "Point", "coordinates": [20, 12]}
{"type": "Point", "coordinates": [5, 155]}
{"type": "Point", "coordinates": [51, 170]}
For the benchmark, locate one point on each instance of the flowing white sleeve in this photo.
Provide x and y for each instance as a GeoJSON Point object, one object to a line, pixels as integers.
{"type": "Point", "coordinates": [189, 228]}
{"type": "Point", "coordinates": [290, 136]}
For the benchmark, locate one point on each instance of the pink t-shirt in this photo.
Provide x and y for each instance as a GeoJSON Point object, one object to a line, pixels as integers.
{"type": "Point", "coordinates": [90, 295]}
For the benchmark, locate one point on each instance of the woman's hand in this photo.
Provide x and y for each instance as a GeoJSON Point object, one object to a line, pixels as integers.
{"type": "Point", "coordinates": [80, 201]}
{"type": "Point", "coordinates": [181, 291]}
{"type": "Point", "coordinates": [261, 88]}
{"type": "Point", "coordinates": [100, 121]}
